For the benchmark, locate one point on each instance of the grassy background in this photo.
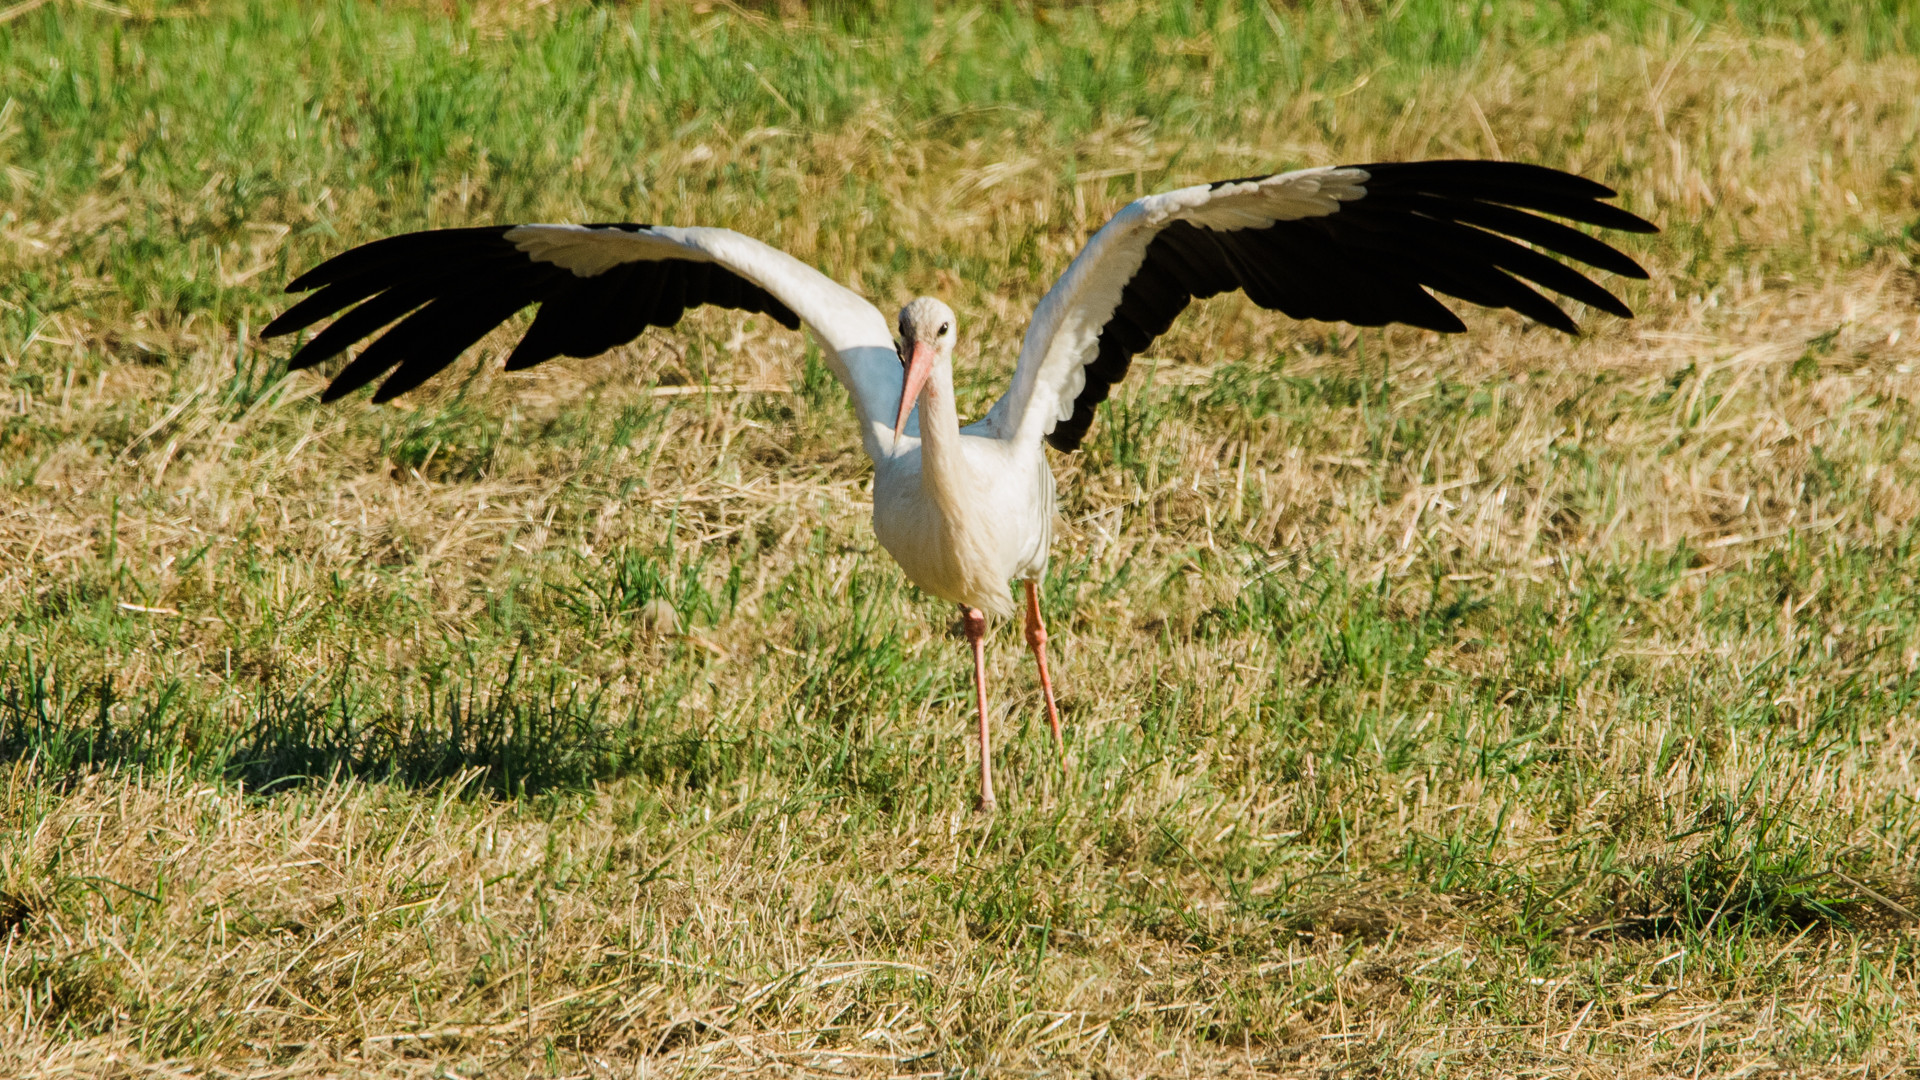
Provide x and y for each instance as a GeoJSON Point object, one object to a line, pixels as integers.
{"type": "Point", "coordinates": [1492, 704]}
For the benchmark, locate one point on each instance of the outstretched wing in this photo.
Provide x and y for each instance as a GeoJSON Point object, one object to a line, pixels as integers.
{"type": "Point", "coordinates": [598, 286]}
{"type": "Point", "coordinates": [1358, 243]}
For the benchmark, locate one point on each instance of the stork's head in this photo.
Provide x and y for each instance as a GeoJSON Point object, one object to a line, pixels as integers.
{"type": "Point", "coordinates": [926, 338]}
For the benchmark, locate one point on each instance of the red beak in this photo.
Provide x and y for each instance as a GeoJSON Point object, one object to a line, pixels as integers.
{"type": "Point", "coordinates": [919, 366]}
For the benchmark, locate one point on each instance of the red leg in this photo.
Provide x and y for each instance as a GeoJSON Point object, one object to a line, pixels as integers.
{"type": "Point", "coordinates": [1037, 638]}
{"type": "Point", "coordinates": [975, 622]}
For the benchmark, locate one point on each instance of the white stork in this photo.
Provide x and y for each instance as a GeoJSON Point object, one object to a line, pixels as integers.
{"type": "Point", "coordinates": [966, 510]}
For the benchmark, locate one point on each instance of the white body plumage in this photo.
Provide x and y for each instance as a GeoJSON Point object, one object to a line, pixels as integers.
{"type": "Point", "coordinates": [969, 556]}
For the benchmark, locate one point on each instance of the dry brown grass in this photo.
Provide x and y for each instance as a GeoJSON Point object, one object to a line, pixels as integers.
{"type": "Point", "coordinates": [1508, 706]}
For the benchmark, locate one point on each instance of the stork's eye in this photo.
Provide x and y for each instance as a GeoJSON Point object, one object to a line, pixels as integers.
{"type": "Point", "coordinates": [944, 328]}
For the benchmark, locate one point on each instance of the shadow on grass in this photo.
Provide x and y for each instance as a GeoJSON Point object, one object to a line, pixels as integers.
{"type": "Point", "coordinates": [521, 734]}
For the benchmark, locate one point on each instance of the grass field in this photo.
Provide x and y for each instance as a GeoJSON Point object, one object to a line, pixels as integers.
{"type": "Point", "coordinates": [1494, 705]}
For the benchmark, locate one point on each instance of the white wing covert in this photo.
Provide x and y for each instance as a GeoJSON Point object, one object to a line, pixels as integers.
{"type": "Point", "coordinates": [1360, 244]}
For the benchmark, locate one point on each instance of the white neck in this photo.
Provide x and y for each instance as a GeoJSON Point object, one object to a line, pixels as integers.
{"type": "Point", "coordinates": [943, 464]}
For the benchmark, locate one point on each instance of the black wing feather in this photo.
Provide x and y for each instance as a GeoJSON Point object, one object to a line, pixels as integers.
{"type": "Point", "coordinates": [445, 289]}
{"type": "Point", "coordinates": [356, 324]}
{"type": "Point", "coordinates": [330, 300]}
{"type": "Point", "coordinates": [1422, 227]}
{"type": "Point", "coordinates": [409, 251]}
{"type": "Point", "coordinates": [1538, 231]}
